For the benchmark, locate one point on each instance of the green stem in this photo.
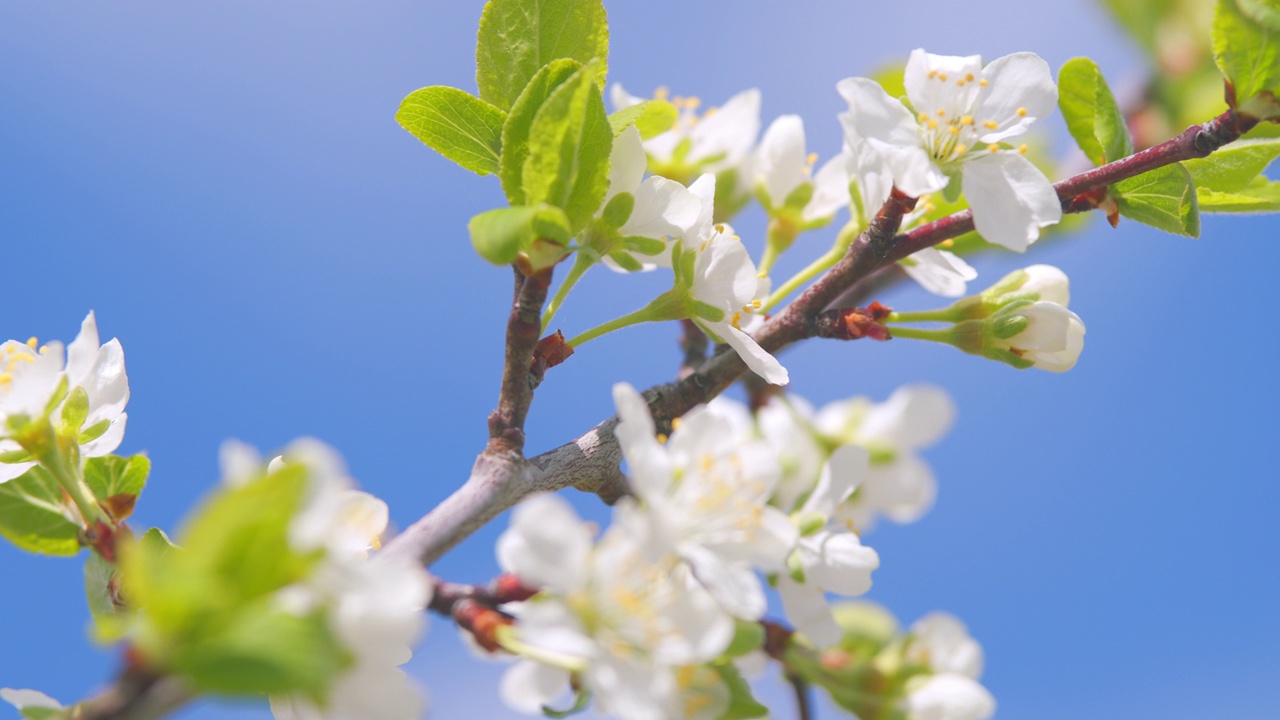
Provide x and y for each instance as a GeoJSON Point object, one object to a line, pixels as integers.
{"type": "Point", "coordinates": [817, 267]}
{"type": "Point", "coordinates": [946, 336]}
{"type": "Point", "coordinates": [581, 265]}
{"type": "Point", "coordinates": [944, 315]}
{"type": "Point", "coordinates": [65, 468]}
{"type": "Point", "coordinates": [669, 305]}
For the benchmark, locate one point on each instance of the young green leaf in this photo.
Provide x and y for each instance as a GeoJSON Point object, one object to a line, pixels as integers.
{"type": "Point", "coordinates": [569, 144]}
{"type": "Point", "coordinates": [515, 133]}
{"type": "Point", "coordinates": [1235, 166]}
{"type": "Point", "coordinates": [1092, 116]}
{"type": "Point", "coordinates": [1260, 196]}
{"type": "Point", "coordinates": [1164, 198]}
{"type": "Point", "coordinates": [1246, 48]}
{"type": "Point", "coordinates": [456, 124]}
{"type": "Point", "coordinates": [34, 517]}
{"type": "Point", "coordinates": [502, 234]}
{"type": "Point", "coordinates": [517, 37]}
{"type": "Point", "coordinates": [651, 118]}
{"type": "Point", "coordinates": [117, 481]}
{"type": "Point", "coordinates": [264, 650]}
{"type": "Point", "coordinates": [109, 619]}
{"type": "Point", "coordinates": [742, 704]}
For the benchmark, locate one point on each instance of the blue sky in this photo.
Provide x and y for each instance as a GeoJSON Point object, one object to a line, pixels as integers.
{"type": "Point", "coordinates": [224, 183]}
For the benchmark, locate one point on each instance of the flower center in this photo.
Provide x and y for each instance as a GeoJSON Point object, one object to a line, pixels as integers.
{"type": "Point", "coordinates": [11, 356]}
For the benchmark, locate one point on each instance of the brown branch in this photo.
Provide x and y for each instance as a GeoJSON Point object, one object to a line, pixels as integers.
{"type": "Point", "coordinates": [804, 702]}
{"type": "Point", "coordinates": [591, 462]}
{"type": "Point", "coordinates": [524, 326]}
{"type": "Point", "coordinates": [136, 695]}
{"type": "Point", "coordinates": [693, 348]}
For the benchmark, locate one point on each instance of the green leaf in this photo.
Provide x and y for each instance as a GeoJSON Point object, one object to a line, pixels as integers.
{"type": "Point", "coordinates": [1235, 166]}
{"type": "Point", "coordinates": [266, 650]}
{"type": "Point", "coordinates": [1164, 198]}
{"type": "Point", "coordinates": [1246, 49]}
{"type": "Point", "coordinates": [742, 704]}
{"type": "Point", "coordinates": [502, 234]}
{"type": "Point", "coordinates": [1092, 116]}
{"type": "Point", "coordinates": [456, 124]}
{"type": "Point", "coordinates": [33, 516]}
{"type": "Point", "coordinates": [1261, 196]}
{"type": "Point", "coordinates": [581, 698]}
{"type": "Point", "coordinates": [117, 481]}
{"type": "Point", "coordinates": [651, 118]}
{"type": "Point", "coordinates": [569, 144]}
{"type": "Point", "coordinates": [515, 133]}
{"type": "Point", "coordinates": [517, 37]}
{"type": "Point", "coordinates": [109, 619]}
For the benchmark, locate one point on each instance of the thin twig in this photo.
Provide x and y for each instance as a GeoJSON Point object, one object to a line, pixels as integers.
{"type": "Point", "coordinates": [693, 348]}
{"type": "Point", "coordinates": [804, 701]}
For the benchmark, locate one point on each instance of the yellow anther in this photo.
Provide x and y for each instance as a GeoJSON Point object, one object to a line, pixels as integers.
{"type": "Point", "coordinates": [662, 439]}
{"type": "Point", "coordinates": [990, 124]}
{"type": "Point", "coordinates": [811, 158]}
{"type": "Point", "coordinates": [6, 378]}
{"type": "Point", "coordinates": [966, 120]}
{"type": "Point", "coordinates": [737, 318]}
{"type": "Point", "coordinates": [661, 93]}
{"type": "Point", "coordinates": [1022, 149]}
{"type": "Point", "coordinates": [961, 149]}
{"type": "Point", "coordinates": [933, 74]}
{"type": "Point", "coordinates": [947, 243]}
{"type": "Point", "coordinates": [692, 102]}
{"type": "Point", "coordinates": [1022, 112]}
{"type": "Point", "coordinates": [942, 113]}
{"type": "Point", "coordinates": [762, 275]}
{"type": "Point", "coordinates": [933, 124]}
{"type": "Point", "coordinates": [929, 207]}
{"type": "Point", "coordinates": [755, 304]}
{"type": "Point", "coordinates": [983, 83]}
{"type": "Point", "coordinates": [704, 246]}
{"type": "Point", "coordinates": [720, 227]}
{"type": "Point", "coordinates": [993, 147]}
{"type": "Point", "coordinates": [922, 117]}
{"type": "Point", "coordinates": [675, 423]}
{"type": "Point", "coordinates": [32, 342]}
{"type": "Point", "coordinates": [942, 77]}
{"type": "Point", "coordinates": [710, 111]}
{"type": "Point", "coordinates": [375, 544]}
{"type": "Point", "coordinates": [960, 83]}
{"type": "Point", "coordinates": [953, 130]}
{"type": "Point", "coordinates": [968, 77]}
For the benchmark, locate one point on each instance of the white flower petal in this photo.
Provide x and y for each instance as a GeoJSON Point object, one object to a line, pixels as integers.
{"type": "Point", "coordinates": [940, 272]}
{"type": "Point", "coordinates": [621, 99]}
{"type": "Point", "coordinates": [943, 643]}
{"type": "Point", "coordinates": [914, 416]}
{"type": "Point", "coordinates": [734, 586]}
{"type": "Point", "coordinates": [781, 161]}
{"type": "Point", "coordinates": [806, 607]}
{"type": "Point", "coordinates": [942, 82]}
{"type": "Point", "coordinates": [627, 163]}
{"type": "Point", "coordinates": [950, 697]}
{"type": "Point", "coordinates": [830, 189]}
{"type": "Point", "coordinates": [759, 361]}
{"type": "Point", "coordinates": [904, 490]}
{"type": "Point", "coordinates": [844, 565]}
{"type": "Point", "coordinates": [527, 686]}
{"type": "Point", "coordinates": [730, 132]}
{"type": "Point", "coordinates": [1011, 199]}
{"type": "Point", "coordinates": [546, 545]}
{"type": "Point", "coordinates": [1019, 91]}
{"type": "Point", "coordinates": [888, 126]}
{"type": "Point", "coordinates": [844, 471]}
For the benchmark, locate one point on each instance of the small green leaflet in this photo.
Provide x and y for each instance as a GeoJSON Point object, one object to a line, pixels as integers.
{"type": "Point", "coordinates": [1092, 116]}
{"type": "Point", "coordinates": [1246, 46]}
{"type": "Point", "coordinates": [109, 619]}
{"type": "Point", "coordinates": [517, 37]}
{"type": "Point", "coordinates": [515, 133]}
{"type": "Point", "coordinates": [569, 145]}
{"type": "Point", "coordinates": [1260, 196]}
{"type": "Point", "coordinates": [1235, 166]}
{"type": "Point", "coordinates": [502, 234]}
{"type": "Point", "coordinates": [33, 517]}
{"type": "Point", "coordinates": [742, 704]}
{"type": "Point", "coordinates": [456, 124]}
{"type": "Point", "coordinates": [1164, 198]}
{"type": "Point", "coordinates": [651, 118]}
{"type": "Point", "coordinates": [117, 481]}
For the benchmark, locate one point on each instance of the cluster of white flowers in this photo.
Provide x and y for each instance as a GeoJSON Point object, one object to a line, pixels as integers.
{"type": "Point", "coordinates": [374, 606]}
{"type": "Point", "coordinates": [38, 380]}
{"type": "Point", "coordinates": [941, 643]}
{"type": "Point", "coordinates": [726, 500]}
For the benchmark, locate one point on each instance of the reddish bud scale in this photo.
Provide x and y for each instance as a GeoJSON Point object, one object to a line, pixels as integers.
{"type": "Point", "coordinates": [103, 539]}
{"type": "Point", "coordinates": [481, 621]}
{"type": "Point", "coordinates": [853, 323]}
{"type": "Point", "coordinates": [548, 353]}
{"type": "Point", "coordinates": [507, 588]}
{"type": "Point", "coordinates": [777, 638]}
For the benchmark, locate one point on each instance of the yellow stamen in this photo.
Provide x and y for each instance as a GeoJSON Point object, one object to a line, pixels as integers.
{"type": "Point", "coordinates": [1022, 149]}
{"type": "Point", "coordinates": [811, 158]}
{"type": "Point", "coordinates": [661, 93]}
{"type": "Point", "coordinates": [947, 243]}
{"type": "Point", "coordinates": [966, 120]}
{"type": "Point", "coordinates": [993, 147]}
{"type": "Point", "coordinates": [675, 423]}
{"type": "Point", "coordinates": [762, 275]}
{"type": "Point", "coordinates": [933, 74]}
{"type": "Point", "coordinates": [933, 124]}
{"type": "Point", "coordinates": [710, 111]}
{"type": "Point", "coordinates": [737, 318]}
{"type": "Point", "coordinates": [990, 124]}
{"type": "Point", "coordinates": [968, 77]}
{"type": "Point", "coordinates": [923, 117]}
{"type": "Point", "coordinates": [961, 149]}
{"type": "Point", "coordinates": [662, 439]}
{"type": "Point", "coordinates": [32, 342]}
{"type": "Point", "coordinates": [942, 113]}
{"type": "Point", "coordinates": [942, 77]}
{"type": "Point", "coordinates": [953, 130]}
{"type": "Point", "coordinates": [692, 102]}
{"type": "Point", "coordinates": [720, 227]}
{"type": "Point", "coordinates": [755, 304]}
{"type": "Point", "coordinates": [1022, 112]}
{"type": "Point", "coordinates": [983, 83]}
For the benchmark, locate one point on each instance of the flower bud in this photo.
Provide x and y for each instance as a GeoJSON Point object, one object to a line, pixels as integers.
{"type": "Point", "coordinates": [1041, 334]}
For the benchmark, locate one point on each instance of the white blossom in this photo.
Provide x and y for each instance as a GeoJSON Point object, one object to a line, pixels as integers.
{"type": "Point", "coordinates": [781, 165]}
{"type": "Point", "coordinates": [661, 208]}
{"type": "Point", "coordinates": [940, 272]}
{"type": "Point", "coordinates": [718, 273]}
{"type": "Point", "coordinates": [706, 491]}
{"type": "Point", "coordinates": [30, 375]}
{"type": "Point", "coordinates": [1052, 339]}
{"type": "Point", "coordinates": [830, 557]}
{"type": "Point", "coordinates": [374, 606]}
{"type": "Point", "coordinates": [899, 484]}
{"type": "Point", "coordinates": [943, 644]}
{"type": "Point", "coordinates": [717, 140]}
{"type": "Point", "coordinates": [949, 697]}
{"type": "Point", "coordinates": [963, 112]}
{"type": "Point", "coordinates": [629, 618]}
